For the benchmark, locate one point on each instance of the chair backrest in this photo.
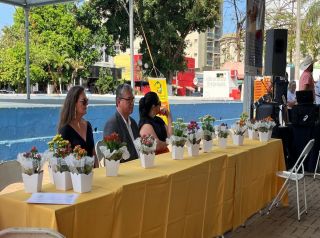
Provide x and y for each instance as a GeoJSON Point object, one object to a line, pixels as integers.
{"type": "Point", "coordinates": [29, 232]}
{"type": "Point", "coordinates": [299, 164]}
{"type": "Point", "coordinates": [99, 153]}
{"type": "Point", "coordinates": [10, 172]}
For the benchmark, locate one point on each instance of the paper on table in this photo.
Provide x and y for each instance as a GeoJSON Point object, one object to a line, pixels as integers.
{"type": "Point", "coordinates": [53, 198]}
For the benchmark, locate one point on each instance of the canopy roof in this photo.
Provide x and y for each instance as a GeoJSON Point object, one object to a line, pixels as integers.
{"type": "Point", "coordinates": [33, 3]}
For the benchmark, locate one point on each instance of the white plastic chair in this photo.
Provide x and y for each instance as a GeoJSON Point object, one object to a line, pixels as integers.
{"type": "Point", "coordinates": [29, 232]}
{"type": "Point", "coordinates": [316, 168]}
{"type": "Point", "coordinates": [99, 153]}
{"type": "Point", "coordinates": [294, 175]}
{"type": "Point", "coordinates": [10, 172]}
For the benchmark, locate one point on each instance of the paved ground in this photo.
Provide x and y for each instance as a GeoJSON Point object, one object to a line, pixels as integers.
{"type": "Point", "coordinates": [282, 222]}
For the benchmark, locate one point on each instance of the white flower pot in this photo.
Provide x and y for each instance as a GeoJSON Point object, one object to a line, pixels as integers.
{"type": "Point", "coordinates": [237, 139]}
{"type": "Point", "coordinates": [269, 134]}
{"type": "Point", "coordinates": [263, 136]}
{"type": "Point", "coordinates": [112, 167]}
{"type": "Point", "coordinates": [32, 183]}
{"type": "Point", "coordinates": [207, 145]}
{"type": "Point", "coordinates": [177, 152]}
{"type": "Point", "coordinates": [253, 134]}
{"type": "Point", "coordinates": [50, 170]}
{"type": "Point", "coordinates": [82, 183]}
{"type": "Point", "coordinates": [222, 142]}
{"type": "Point", "coordinates": [193, 149]}
{"type": "Point", "coordinates": [62, 180]}
{"type": "Point", "coordinates": [147, 161]}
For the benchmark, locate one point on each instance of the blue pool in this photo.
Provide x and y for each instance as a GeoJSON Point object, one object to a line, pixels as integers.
{"type": "Point", "coordinates": [22, 128]}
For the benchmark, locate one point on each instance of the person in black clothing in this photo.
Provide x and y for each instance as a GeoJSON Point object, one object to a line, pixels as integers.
{"type": "Point", "coordinates": [72, 126]}
{"type": "Point", "coordinates": [150, 124]}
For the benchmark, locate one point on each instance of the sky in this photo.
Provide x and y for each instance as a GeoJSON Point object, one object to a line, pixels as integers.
{"type": "Point", "coordinates": [6, 16]}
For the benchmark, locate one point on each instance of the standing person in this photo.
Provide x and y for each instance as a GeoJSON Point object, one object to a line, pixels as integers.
{"type": "Point", "coordinates": [121, 122]}
{"type": "Point", "coordinates": [150, 124]}
{"type": "Point", "coordinates": [72, 126]}
{"type": "Point", "coordinates": [306, 80]}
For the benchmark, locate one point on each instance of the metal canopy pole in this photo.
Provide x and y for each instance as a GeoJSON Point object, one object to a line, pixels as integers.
{"type": "Point", "coordinates": [26, 11]}
{"type": "Point", "coordinates": [131, 43]}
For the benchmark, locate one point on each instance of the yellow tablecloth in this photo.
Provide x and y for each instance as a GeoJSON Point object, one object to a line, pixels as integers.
{"type": "Point", "coordinates": [203, 196]}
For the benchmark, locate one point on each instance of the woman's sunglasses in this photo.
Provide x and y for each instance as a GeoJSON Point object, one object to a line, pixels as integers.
{"type": "Point", "coordinates": [84, 101]}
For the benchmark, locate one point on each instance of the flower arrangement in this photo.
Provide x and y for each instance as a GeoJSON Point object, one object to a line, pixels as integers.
{"type": "Point", "coordinates": [222, 131]}
{"type": "Point", "coordinates": [146, 144]}
{"type": "Point", "coordinates": [251, 124]}
{"type": "Point", "coordinates": [179, 136]}
{"type": "Point", "coordinates": [113, 148]}
{"type": "Point", "coordinates": [239, 128]}
{"type": "Point", "coordinates": [265, 125]}
{"type": "Point", "coordinates": [59, 149]}
{"type": "Point", "coordinates": [31, 161]}
{"type": "Point", "coordinates": [79, 162]}
{"type": "Point", "coordinates": [244, 117]}
{"type": "Point", "coordinates": [207, 127]}
{"type": "Point", "coordinates": [194, 134]}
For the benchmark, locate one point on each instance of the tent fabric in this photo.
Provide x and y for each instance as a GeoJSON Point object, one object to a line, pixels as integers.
{"type": "Point", "coordinates": [33, 3]}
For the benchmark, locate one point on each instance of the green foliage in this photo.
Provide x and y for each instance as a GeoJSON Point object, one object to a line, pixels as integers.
{"type": "Point", "coordinates": [106, 83]}
{"type": "Point", "coordinates": [60, 47]}
{"type": "Point", "coordinates": [310, 32]}
{"type": "Point", "coordinates": [165, 23]}
{"type": "Point", "coordinates": [283, 17]}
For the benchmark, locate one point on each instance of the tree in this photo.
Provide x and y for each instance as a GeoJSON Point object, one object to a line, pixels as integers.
{"type": "Point", "coordinates": [164, 25]}
{"type": "Point", "coordinates": [57, 41]}
{"type": "Point", "coordinates": [106, 83]}
{"type": "Point", "coordinates": [311, 30]}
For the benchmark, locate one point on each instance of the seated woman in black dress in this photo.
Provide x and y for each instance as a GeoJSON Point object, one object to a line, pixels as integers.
{"type": "Point", "coordinates": [150, 124]}
{"type": "Point", "coordinates": [72, 126]}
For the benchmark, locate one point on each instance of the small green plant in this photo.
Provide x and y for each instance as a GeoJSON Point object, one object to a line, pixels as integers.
{"type": "Point", "coordinates": [207, 126]}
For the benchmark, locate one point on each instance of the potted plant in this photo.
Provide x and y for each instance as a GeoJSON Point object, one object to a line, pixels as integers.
{"type": "Point", "coordinates": [222, 133]}
{"type": "Point", "coordinates": [207, 132]}
{"type": "Point", "coordinates": [178, 139]}
{"type": "Point", "coordinates": [81, 168]}
{"type": "Point", "coordinates": [113, 150]}
{"type": "Point", "coordinates": [146, 145]}
{"type": "Point", "coordinates": [59, 149]}
{"type": "Point", "coordinates": [32, 174]}
{"type": "Point", "coordinates": [238, 129]}
{"type": "Point", "coordinates": [264, 128]}
{"type": "Point", "coordinates": [252, 129]}
{"type": "Point", "coordinates": [194, 138]}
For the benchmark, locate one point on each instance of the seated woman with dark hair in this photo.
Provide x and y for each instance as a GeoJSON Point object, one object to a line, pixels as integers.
{"type": "Point", "coordinates": [72, 126]}
{"type": "Point", "coordinates": [150, 124]}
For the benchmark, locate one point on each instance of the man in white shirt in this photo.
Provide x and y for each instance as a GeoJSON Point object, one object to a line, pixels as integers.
{"type": "Point", "coordinates": [121, 122]}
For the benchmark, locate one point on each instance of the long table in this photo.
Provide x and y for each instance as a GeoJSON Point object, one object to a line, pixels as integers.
{"type": "Point", "coordinates": [202, 196]}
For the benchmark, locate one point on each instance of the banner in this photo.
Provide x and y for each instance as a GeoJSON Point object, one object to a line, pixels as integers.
{"type": "Point", "coordinates": [159, 86]}
{"type": "Point", "coordinates": [254, 37]}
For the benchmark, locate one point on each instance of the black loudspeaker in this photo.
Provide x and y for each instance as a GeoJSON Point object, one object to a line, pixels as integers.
{"type": "Point", "coordinates": [304, 97]}
{"type": "Point", "coordinates": [276, 52]}
{"type": "Point", "coordinates": [305, 115]}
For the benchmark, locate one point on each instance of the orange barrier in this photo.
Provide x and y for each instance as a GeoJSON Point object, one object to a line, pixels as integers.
{"type": "Point", "coordinates": [261, 87]}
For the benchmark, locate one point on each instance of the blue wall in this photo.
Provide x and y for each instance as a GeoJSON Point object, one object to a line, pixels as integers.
{"type": "Point", "coordinates": [22, 128]}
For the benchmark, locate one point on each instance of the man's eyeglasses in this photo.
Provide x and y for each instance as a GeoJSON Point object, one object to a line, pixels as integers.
{"type": "Point", "coordinates": [84, 101]}
{"type": "Point", "coordinates": [128, 99]}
